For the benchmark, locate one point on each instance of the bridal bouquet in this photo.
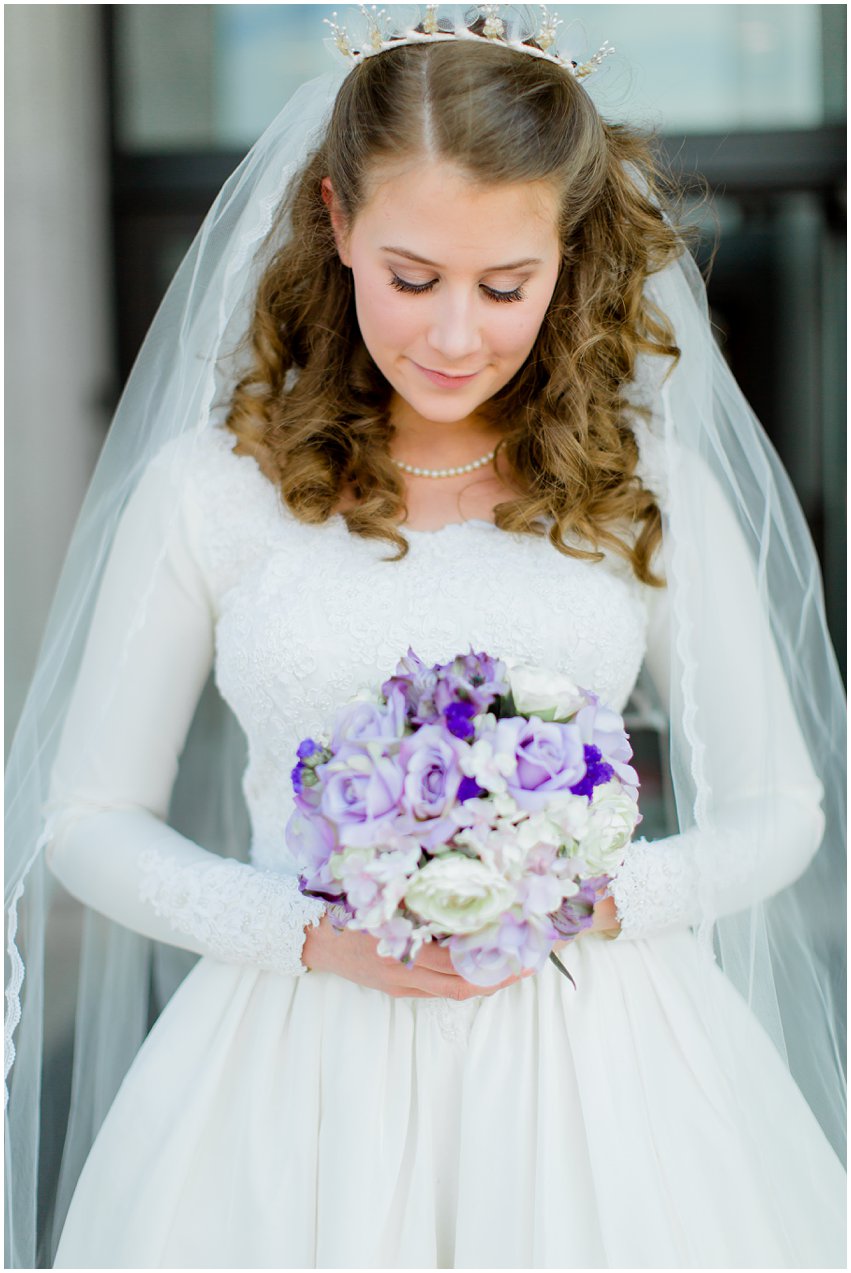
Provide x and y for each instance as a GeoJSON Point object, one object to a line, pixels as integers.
{"type": "Point", "coordinates": [472, 803]}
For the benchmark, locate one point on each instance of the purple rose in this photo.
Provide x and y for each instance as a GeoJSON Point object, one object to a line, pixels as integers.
{"type": "Point", "coordinates": [549, 758]}
{"type": "Point", "coordinates": [501, 950]}
{"type": "Point", "coordinates": [576, 913]}
{"type": "Point", "coordinates": [365, 722]}
{"type": "Point", "coordinates": [433, 775]}
{"type": "Point", "coordinates": [359, 793]}
{"type": "Point", "coordinates": [312, 842]}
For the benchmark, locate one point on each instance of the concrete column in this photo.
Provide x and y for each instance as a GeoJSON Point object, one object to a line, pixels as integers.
{"type": "Point", "coordinates": [58, 364]}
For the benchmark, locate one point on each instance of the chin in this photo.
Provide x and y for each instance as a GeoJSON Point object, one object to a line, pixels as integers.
{"type": "Point", "coordinates": [440, 405]}
{"type": "Point", "coordinates": [441, 412]}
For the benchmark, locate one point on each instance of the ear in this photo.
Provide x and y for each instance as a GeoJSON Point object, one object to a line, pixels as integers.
{"type": "Point", "coordinates": [338, 221]}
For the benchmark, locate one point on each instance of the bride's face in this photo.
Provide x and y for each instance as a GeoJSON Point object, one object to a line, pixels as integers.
{"type": "Point", "coordinates": [451, 282]}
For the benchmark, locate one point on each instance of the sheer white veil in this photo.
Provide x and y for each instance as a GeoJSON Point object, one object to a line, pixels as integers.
{"type": "Point", "coordinates": [753, 679]}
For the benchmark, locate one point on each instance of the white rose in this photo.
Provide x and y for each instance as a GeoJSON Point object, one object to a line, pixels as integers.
{"type": "Point", "coordinates": [612, 819]}
{"type": "Point", "coordinates": [545, 694]}
{"type": "Point", "coordinates": [458, 894]}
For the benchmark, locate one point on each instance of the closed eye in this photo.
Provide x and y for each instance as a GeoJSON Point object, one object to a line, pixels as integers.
{"type": "Point", "coordinates": [417, 288]}
{"type": "Point", "coordinates": [402, 286]}
{"type": "Point", "coordinates": [517, 294]}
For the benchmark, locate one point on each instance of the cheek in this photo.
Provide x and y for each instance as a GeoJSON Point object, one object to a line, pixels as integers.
{"type": "Point", "coordinates": [514, 335]}
{"type": "Point", "coordinates": [384, 318]}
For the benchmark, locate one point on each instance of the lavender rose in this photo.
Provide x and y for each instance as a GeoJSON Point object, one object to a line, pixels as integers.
{"type": "Point", "coordinates": [363, 721]}
{"type": "Point", "coordinates": [360, 792]}
{"type": "Point", "coordinates": [550, 758]}
{"type": "Point", "coordinates": [433, 775]}
{"type": "Point", "coordinates": [507, 947]}
{"type": "Point", "coordinates": [311, 841]}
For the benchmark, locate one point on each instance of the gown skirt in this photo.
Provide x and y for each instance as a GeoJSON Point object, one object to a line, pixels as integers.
{"type": "Point", "coordinates": [274, 1122]}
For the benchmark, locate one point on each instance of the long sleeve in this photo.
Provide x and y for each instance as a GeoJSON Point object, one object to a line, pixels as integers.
{"type": "Point", "coordinates": [764, 800]}
{"type": "Point", "coordinates": [148, 655]}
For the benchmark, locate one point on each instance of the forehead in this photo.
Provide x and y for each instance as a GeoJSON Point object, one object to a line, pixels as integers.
{"type": "Point", "coordinates": [434, 208]}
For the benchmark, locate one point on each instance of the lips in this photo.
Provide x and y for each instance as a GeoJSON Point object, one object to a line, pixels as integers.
{"type": "Point", "coordinates": [444, 378]}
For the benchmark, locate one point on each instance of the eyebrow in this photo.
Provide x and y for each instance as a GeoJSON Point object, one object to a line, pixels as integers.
{"type": "Point", "coordinates": [492, 269]}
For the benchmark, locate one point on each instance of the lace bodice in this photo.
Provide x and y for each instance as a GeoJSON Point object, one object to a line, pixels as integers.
{"type": "Point", "coordinates": [307, 615]}
{"type": "Point", "coordinates": [210, 570]}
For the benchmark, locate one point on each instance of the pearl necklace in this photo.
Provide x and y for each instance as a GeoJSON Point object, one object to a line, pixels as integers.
{"type": "Point", "coordinates": [456, 472]}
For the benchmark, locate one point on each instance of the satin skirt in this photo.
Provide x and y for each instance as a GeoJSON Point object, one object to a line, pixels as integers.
{"type": "Point", "coordinates": [309, 1122]}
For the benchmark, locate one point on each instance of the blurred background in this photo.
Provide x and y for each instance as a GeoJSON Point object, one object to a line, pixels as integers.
{"type": "Point", "coordinates": [122, 121]}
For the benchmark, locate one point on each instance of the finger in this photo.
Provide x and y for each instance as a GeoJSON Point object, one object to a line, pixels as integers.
{"type": "Point", "coordinates": [510, 981]}
{"type": "Point", "coordinates": [442, 985]}
{"type": "Point", "coordinates": [437, 958]}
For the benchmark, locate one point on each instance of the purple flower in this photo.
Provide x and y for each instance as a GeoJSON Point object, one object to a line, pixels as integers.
{"type": "Point", "coordinates": [469, 789]}
{"type": "Point", "coordinates": [365, 722]}
{"type": "Point", "coordinates": [539, 893]}
{"type": "Point", "coordinates": [311, 841]}
{"type": "Point", "coordinates": [576, 913]}
{"type": "Point", "coordinates": [305, 782]}
{"type": "Point", "coordinates": [471, 678]}
{"type": "Point", "coordinates": [416, 684]}
{"type": "Point", "coordinates": [306, 787]}
{"type": "Point", "coordinates": [459, 720]}
{"type": "Point", "coordinates": [396, 938]}
{"type": "Point", "coordinates": [360, 791]}
{"type": "Point", "coordinates": [474, 679]}
{"type": "Point", "coordinates": [549, 758]}
{"type": "Point", "coordinates": [504, 948]}
{"type": "Point", "coordinates": [433, 775]}
{"type": "Point", "coordinates": [602, 727]}
{"type": "Point", "coordinates": [481, 672]}
{"type": "Point", "coordinates": [596, 773]}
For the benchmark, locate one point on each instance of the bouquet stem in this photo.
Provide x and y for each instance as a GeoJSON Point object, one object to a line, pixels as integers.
{"type": "Point", "coordinates": [554, 957]}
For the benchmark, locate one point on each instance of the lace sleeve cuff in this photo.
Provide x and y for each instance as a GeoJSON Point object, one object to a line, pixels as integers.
{"type": "Point", "coordinates": [687, 877]}
{"type": "Point", "coordinates": [237, 913]}
{"type": "Point", "coordinates": [655, 888]}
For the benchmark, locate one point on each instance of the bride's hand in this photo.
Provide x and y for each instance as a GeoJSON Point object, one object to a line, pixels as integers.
{"type": "Point", "coordinates": [355, 956]}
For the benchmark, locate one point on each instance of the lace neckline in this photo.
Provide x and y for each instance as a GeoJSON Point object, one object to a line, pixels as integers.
{"type": "Point", "coordinates": [439, 530]}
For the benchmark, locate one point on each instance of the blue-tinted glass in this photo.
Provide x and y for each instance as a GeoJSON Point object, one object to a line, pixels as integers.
{"type": "Point", "coordinates": [215, 75]}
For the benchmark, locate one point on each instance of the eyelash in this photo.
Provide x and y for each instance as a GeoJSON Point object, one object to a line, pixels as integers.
{"type": "Point", "coordinates": [417, 288]}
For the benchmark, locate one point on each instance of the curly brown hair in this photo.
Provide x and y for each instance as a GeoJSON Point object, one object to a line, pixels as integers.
{"type": "Point", "coordinates": [502, 117]}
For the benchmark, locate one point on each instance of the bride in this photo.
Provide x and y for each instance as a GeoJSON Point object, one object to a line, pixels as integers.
{"type": "Point", "coordinates": [437, 372]}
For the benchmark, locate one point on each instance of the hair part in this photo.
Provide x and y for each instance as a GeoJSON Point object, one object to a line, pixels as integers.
{"type": "Point", "coordinates": [503, 118]}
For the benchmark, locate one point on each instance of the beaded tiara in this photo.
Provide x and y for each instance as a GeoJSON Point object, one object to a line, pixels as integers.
{"type": "Point", "coordinates": [375, 30]}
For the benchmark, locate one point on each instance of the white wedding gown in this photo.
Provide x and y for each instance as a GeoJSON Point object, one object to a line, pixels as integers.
{"type": "Point", "coordinates": [279, 1120]}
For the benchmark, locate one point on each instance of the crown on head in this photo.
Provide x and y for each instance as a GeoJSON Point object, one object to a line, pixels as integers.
{"type": "Point", "coordinates": [485, 22]}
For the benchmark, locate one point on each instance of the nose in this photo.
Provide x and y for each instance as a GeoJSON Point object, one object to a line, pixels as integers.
{"type": "Point", "coordinates": [454, 333]}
